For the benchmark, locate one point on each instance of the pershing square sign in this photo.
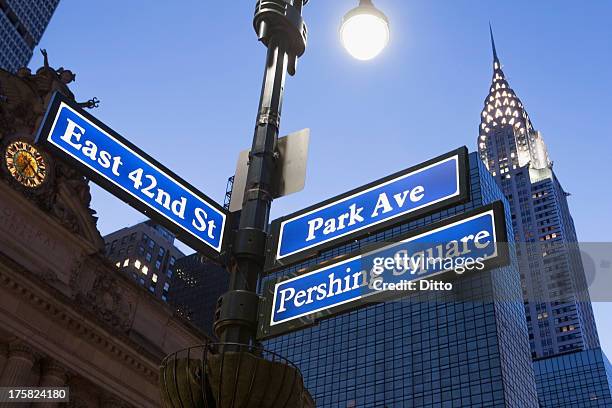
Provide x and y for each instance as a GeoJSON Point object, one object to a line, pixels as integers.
{"type": "Point", "coordinates": [132, 175]}
{"type": "Point", "coordinates": [424, 188]}
{"type": "Point", "coordinates": [463, 244]}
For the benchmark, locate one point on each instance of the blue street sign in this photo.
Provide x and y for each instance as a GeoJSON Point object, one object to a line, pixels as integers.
{"type": "Point", "coordinates": [132, 175]}
{"type": "Point", "coordinates": [467, 243]}
{"type": "Point", "coordinates": [424, 188]}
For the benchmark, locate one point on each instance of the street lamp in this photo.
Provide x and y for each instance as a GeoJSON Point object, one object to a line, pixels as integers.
{"type": "Point", "coordinates": [281, 28]}
{"type": "Point", "coordinates": [233, 370]}
{"type": "Point", "coordinates": [364, 31]}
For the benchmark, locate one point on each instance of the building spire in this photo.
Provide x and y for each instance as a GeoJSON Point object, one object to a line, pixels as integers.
{"type": "Point", "coordinates": [503, 111]}
{"type": "Point", "coordinates": [495, 59]}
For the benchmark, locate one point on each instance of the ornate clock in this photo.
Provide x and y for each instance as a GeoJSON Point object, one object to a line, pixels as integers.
{"type": "Point", "coordinates": [26, 164]}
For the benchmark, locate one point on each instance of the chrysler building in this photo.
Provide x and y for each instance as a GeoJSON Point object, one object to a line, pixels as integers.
{"type": "Point", "coordinates": [557, 304]}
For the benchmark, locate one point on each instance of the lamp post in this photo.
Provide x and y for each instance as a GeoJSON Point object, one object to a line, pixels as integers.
{"type": "Point", "coordinates": [236, 371]}
{"type": "Point", "coordinates": [280, 27]}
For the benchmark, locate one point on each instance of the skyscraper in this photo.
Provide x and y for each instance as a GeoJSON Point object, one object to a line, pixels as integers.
{"type": "Point", "coordinates": [579, 379]}
{"type": "Point", "coordinates": [435, 349]}
{"type": "Point", "coordinates": [22, 23]}
{"type": "Point", "coordinates": [195, 288]}
{"type": "Point", "coordinates": [557, 305]}
{"type": "Point", "coordinates": [146, 253]}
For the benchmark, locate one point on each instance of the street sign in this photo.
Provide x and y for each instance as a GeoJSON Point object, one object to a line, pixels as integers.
{"type": "Point", "coordinates": [466, 243]}
{"type": "Point", "coordinates": [130, 174]}
{"type": "Point", "coordinates": [428, 187]}
{"type": "Point", "coordinates": [290, 175]}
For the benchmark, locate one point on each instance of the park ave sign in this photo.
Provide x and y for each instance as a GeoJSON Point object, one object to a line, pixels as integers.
{"type": "Point", "coordinates": [435, 184]}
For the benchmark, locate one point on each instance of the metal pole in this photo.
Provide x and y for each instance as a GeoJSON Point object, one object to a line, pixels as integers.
{"type": "Point", "coordinates": [279, 25]}
{"type": "Point", "coordinates": [262, 167]}
{"type": "Point", "coordinates": [249, 245]}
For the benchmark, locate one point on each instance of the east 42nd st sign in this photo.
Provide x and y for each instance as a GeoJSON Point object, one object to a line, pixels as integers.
{"type": "Point", "coordinates": [132, 175]}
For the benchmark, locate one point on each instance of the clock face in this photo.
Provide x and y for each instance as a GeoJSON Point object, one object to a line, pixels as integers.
{"type": "Point", "coordinates": [26, 164]}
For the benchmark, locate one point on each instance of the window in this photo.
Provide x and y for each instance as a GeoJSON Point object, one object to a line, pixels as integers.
{"type": "Point", "coordinates": [141, 250]}
{"type": "Point", "coordinates": [126, 262]}
{"type": "Point", "coordinates": [165, 292]}
{"type": "Point", "coordinates": [162, 251]}
{"type": "Point", "coordinates": [133, 237]}
{"type": "Point", "coordinates": [153, 283]}
{"type": "Point", "coordinates": [172, 261]}
{"type": "Point", "coordinates": [169, 272]}
{"type": "Point", "coordinates": [118, 264]}
{"type": "Point", "coordinates": [151, 244]}
{"type": "Point", "coordinates": [130, 249]}
{"type": "Point", "coordinates": [137, 264]}
{"type": "Point", "coordinates": [157, 265]}
{"type": "Point", "coordinates": [145, 269]}
{"type": "Point", "coordinates": [148, 257]}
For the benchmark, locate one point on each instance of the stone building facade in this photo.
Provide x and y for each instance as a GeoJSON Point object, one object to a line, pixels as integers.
{"type": "Point", "coordinates": [67, 316]}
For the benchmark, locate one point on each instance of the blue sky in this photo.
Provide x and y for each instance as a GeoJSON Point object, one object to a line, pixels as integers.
{"type": "Point", "coordinates": [182, 81]}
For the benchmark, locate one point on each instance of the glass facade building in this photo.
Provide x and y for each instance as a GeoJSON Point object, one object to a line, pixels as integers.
{"type": "Point", "coordinates": [578, 379]}
{"type": "Point", "coordinates": [22, 23]}
{"type": "Point", "coordinates": [461, 348]}
{"type": "Point", "coordinates": [196, 286]}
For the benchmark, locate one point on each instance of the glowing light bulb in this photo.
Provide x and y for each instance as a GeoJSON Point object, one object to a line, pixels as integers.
{"type": "Point", "coordinates": [365, 31]}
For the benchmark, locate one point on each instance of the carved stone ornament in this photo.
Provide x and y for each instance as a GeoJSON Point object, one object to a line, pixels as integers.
{"type": "Point", "coordinates": [53, 368]}
{"type": "Point", "coordinates": [64, 193]}
{"type": "Point", "coordinates": [109, 302]}
{"type": "Point", "coordinates": [18, 348]}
